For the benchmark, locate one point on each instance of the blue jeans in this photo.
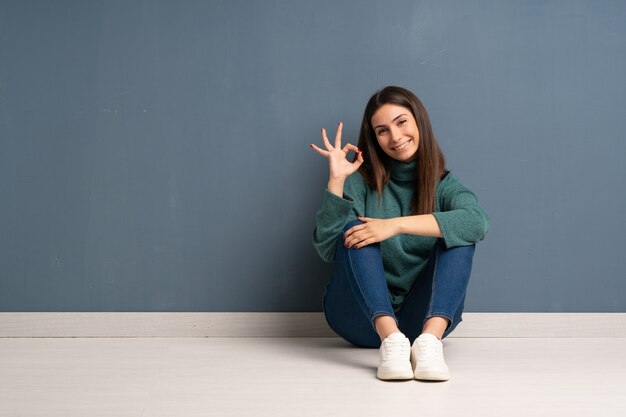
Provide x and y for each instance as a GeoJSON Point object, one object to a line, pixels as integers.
{"type": "Point", "coordinates": [357, 292]}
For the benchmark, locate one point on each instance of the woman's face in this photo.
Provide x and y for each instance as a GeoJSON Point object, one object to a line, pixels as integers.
{"type": "Point", "coordinates": [396, 131]}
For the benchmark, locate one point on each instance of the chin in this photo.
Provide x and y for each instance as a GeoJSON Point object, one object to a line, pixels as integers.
{"type": "Point", "coordinates": [413, 157]}
{"type": "Point", "coordinates": [406, 159]}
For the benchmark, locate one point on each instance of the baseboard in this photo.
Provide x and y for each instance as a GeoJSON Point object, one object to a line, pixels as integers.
{"type": "Point", "coordinates": [291, 325]}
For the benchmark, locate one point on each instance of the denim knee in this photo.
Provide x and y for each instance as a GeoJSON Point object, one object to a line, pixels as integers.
{"type": "Point", "coordinates": [351, 223]}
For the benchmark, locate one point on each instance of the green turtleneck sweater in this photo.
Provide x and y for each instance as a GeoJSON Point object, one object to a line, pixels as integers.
{"type": "Point", "coordinates": [461, 219]}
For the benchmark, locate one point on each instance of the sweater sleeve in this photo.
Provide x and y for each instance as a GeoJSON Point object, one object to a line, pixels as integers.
{"type": "Point", "coordinates": [462, 220]}
{"type": "Point", "coordinates": [335, 213]}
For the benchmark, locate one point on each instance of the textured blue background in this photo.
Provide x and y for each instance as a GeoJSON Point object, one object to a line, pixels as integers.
{"type": "Point", "coordinates": [154, 155]}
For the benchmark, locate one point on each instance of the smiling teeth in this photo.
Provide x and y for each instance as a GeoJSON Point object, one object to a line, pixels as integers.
{"type": "Point", "coordinates": [401, 147]}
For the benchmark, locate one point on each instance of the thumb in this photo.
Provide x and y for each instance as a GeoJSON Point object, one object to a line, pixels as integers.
{"type": "Point", "coordinates": [359, 159]}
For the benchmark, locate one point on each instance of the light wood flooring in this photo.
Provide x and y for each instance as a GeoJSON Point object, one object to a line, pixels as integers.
{"type": "Point", "coordinates": [179, 377]}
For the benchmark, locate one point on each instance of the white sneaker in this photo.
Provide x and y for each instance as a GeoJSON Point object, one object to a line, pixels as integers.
{"type": "Point", "coordinates": [395, 358]}
{"type": "Point", "coordinates": [427, 358]}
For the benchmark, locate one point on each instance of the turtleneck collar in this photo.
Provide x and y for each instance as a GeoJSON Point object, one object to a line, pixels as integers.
{"type": "Point", "coordinates": [402, 171]}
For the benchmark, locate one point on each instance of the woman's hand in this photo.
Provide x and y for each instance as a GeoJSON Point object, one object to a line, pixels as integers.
{"type": "Point", "coordinates": [340, 168]}
{"type": "Point", "coordinates": [371, 231]}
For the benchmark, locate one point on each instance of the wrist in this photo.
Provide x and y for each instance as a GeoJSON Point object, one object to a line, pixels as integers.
{"type": "Point", "coordinates": [337, 179]}
{"type": "Point", "coordinates": [335, 186]}
{"type": "Point", "coordinates": [398, 226]}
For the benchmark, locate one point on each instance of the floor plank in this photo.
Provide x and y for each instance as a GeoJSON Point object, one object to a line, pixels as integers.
{"type": "Point", "coordinates": [154, 377]}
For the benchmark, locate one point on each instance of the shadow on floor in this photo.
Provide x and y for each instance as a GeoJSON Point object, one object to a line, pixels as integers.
{"type": "Point", "coordinates": [339, 352]}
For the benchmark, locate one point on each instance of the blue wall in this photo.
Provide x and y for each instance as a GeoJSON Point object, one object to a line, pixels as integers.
{"type": "Point", "coordinates": [154, 155]}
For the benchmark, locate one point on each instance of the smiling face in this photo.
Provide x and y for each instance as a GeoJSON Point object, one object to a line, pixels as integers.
{"type": "Point", "coordinates": [396, 132]}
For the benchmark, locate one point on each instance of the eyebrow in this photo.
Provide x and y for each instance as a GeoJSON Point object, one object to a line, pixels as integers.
{"type": "Point", "coordinates": [403, 114]}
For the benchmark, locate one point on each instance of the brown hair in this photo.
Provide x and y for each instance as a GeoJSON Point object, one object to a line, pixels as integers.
{"type": "Point", "coordinates": [431, 165]}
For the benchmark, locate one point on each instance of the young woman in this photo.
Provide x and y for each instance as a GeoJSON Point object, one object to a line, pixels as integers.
{"type": "Point", "coordinates": [401, 232]}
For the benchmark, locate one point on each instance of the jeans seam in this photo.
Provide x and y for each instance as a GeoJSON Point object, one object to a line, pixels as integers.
{"type": "Point", "coordinates": [369, 308]}
{"type": "Point", "coordinates": [432, 290]}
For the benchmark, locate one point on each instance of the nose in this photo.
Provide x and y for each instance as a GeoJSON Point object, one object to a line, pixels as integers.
{"type": "Point", "coordinates": [395, 134]}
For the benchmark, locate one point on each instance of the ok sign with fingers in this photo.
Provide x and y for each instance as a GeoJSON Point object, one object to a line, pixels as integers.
{"type": "Point", "coordinates": [340, 167]}
{"type": "Point", "coordinates": [372, 230]}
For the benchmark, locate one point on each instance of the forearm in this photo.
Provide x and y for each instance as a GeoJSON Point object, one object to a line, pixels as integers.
{"type": "Point", "coordinates": [335, 186]}
{"type": "Point", "coordinates": [421, 225]}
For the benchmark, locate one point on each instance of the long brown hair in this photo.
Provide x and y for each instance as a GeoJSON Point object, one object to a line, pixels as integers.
{"type": "Point", "coordinates": [431, 164]}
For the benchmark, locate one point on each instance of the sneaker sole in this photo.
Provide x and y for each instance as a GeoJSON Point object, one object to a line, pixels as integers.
{"type": "Point", "coordinates": [431, 376]}
{"type": "Point", "coordinates": [402, 375]}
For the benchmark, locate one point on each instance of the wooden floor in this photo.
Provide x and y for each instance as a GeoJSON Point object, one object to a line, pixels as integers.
{"type": "Point", "coordinates": [177, 377]}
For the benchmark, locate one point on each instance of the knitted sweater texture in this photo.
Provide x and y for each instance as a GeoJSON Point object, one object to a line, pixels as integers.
{"type": "Point", "coordinates": [461, 219]}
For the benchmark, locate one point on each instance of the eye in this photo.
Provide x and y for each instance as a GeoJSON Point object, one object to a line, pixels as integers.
{"type": "Point", "coordinates": [381, 131]}
{"type": "Point", "coordinates": [401, 122]}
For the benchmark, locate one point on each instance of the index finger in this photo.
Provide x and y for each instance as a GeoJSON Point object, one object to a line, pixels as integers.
{"type": "Point", "coordinates": [326, 141]}
{"type": "Point", "coordinates": [338, 136]}
{"type": "Point", "coordinates": [353, 229]}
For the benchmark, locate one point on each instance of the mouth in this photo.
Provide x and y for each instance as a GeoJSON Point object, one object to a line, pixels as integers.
{"type": "Point", "coordinates": [403, 146]}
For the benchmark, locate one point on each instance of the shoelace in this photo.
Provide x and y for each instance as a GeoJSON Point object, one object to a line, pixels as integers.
{"type": "Point", "coordinates": [429, 351]}
{"type": "Point", "coordinates": [395, 348]}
